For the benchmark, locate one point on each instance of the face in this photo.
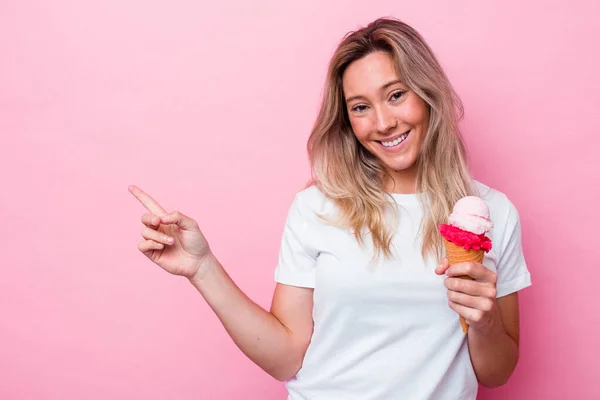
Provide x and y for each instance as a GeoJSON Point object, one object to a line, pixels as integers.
{"type": "Point", "coordinates": [388, 119]}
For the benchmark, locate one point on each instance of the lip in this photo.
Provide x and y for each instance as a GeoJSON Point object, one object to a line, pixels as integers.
{"type": "Point", "coordinates": [392, 138]}
{"type": "Point", "coordinates": [396, 147]}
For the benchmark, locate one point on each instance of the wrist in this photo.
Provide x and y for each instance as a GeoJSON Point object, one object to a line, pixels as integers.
{"type": "Point", "coordinates": [205, 266]}
{"type": "Point", "coordinates": [493, 327]}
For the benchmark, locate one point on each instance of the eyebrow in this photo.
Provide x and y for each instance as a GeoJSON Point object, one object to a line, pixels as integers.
{"type": "Point", "coordinates": [387, 85]}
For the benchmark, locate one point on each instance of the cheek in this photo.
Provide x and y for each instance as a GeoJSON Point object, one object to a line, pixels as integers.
{"type": "Point", "coordinates": [417, 113]}
{"type": "Point", "coordinates": [361, 127]}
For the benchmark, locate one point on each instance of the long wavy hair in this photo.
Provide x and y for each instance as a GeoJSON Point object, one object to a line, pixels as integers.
{"type": "Point", "coordinates": [353, 178]}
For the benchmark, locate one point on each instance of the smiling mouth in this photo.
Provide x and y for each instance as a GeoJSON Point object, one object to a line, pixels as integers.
{"type": "Point", "coordinates": [395, 142]}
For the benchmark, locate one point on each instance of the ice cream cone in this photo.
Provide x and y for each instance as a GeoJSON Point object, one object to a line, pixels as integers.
{"type": "Point", "coordinates": [457, 254]}
{"type": "Point", "coordinates": [464, 235]}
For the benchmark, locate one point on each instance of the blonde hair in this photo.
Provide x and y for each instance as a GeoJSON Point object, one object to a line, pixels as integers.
{"type": "Point", "coordinates": [352, 177]}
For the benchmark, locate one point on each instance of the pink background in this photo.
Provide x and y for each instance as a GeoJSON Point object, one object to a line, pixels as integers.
{"type": "Point", "coordinates": [208, 108]}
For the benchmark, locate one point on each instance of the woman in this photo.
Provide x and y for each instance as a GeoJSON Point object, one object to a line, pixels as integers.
{"type": "Point", "coordinates": [361, 309]}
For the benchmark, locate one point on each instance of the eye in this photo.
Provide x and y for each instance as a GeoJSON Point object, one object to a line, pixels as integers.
{"type": "Point", "coordinates": [359, 108]}
{"type": "Point", "coordinates": [396, 95]}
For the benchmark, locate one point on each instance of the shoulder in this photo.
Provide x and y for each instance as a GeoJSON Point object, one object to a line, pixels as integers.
{"type": "Point", "coordinates": [496, 200]}
{"type": "Point", "coordinates": [312, 200]}
{"type": "Point", "coordinates": [313, 208]}
{"type": "Point", "coordinates": [503, 212]}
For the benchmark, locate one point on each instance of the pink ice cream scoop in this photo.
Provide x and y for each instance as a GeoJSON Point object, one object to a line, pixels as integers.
{"type": "Point", "coordinates": [471, 214]}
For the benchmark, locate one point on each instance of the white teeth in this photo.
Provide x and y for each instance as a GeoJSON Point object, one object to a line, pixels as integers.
{"type": "Point", "coordinates": [395, 142]}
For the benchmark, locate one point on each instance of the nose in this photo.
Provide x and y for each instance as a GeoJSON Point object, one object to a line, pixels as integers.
{"type": "Point", "coordinates": [385, 119]}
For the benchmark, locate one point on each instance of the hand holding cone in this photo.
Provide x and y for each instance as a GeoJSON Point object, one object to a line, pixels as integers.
{"type": "Point", "coordinates": [464, 236]}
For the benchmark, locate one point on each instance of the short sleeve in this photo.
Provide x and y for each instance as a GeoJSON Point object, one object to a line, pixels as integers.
{"type": "Point", "coordinates": [296, 265]}
{"type": "Point", "coordinates": [512, 271]}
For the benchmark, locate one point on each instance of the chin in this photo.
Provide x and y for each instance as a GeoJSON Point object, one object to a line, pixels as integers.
{"type": "Point", "coordinates": [399, 165]}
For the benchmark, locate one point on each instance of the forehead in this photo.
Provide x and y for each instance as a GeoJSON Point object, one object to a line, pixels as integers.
{"type": "Point", "coordinates": [368, 73]}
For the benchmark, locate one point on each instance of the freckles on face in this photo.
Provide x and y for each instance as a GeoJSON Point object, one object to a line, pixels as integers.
{"type": "Point", "coordinates": [387, 118]}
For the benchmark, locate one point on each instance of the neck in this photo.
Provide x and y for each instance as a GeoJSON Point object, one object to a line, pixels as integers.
{"type": "Point", "coordinates": [402, 182]}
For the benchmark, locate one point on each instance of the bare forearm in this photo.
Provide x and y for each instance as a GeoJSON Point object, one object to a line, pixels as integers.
{"type": "Point", "coordinates": [494, 354]}
{"type": "Point", "coordinates": [257, 332]}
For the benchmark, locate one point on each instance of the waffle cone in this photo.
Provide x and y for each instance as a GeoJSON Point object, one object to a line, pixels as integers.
{"type": "Point", "coordinates": [457, 254]}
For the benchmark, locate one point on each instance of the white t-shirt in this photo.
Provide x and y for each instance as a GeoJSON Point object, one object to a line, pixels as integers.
{"type": "Point", "coordinates": [386, 331]}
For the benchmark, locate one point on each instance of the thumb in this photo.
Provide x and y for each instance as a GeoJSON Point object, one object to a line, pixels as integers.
{"type": "Point", "coordinates": [181, 220]}
{"type": "Point", "coordinates": [442, 266]}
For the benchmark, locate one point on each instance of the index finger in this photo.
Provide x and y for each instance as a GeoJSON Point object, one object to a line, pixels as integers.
{"type": "Point", "coordinates": [148, 202]}
{"type": "Point", "coordinates": [475, 270]}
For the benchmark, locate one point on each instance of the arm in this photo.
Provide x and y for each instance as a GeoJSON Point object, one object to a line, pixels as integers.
{"type": "Point", "coordinates": [277, 340]}
{"type": "Point", "coordinates": [494, 346]}
{"type": "Point", "coordinates": [494, 349]}
{"type": "Point", "coordinates": [493, 336]}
